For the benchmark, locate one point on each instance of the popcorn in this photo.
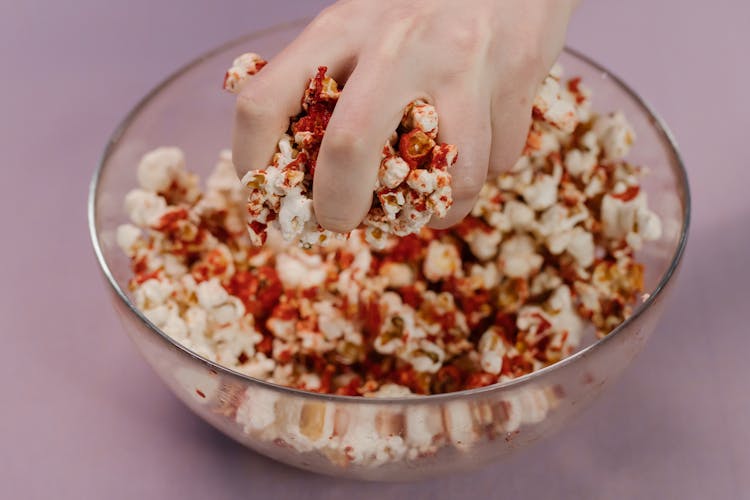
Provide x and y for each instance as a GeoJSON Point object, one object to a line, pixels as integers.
{"type": "Point", "coordinates": [615, 135]}
{"type": "Point", "coordinates": [421, 116]}
{"type": "Point", "coordinates": [491, 350]}
{"type": "Point", "coordinates": [518, 258]}
{"type": "Point", "coordinates": [159, 168]}
{"type": "Point", "coordinates": [557, 111]}
{"type": "Point", "coordinates": [393, 171]}
{"type": "Point", "coordinates": [413, 182]}
{"type": "Point", "coordinates": [394, 309]}
{"type": "Point", "coordinates": [459, 424]}
{"type": "Point", "coordinates": [442, 261]}
{"type": "Point", "coordinates": [144, 208]}
{"type": "Point", "coordinates": [128, 238]}
{"type": "Point", "coordinates": [626, 215]}
{"type": "Point", "coordinates": [397, 275]}
{"type": "Point", "coordinates": [243, 66]}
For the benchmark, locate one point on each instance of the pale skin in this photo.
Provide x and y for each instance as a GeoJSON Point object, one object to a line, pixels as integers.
{"type": "Point", "coordinates": [478, 61]}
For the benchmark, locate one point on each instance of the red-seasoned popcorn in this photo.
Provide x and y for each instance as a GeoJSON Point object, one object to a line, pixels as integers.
{"type": "Point", "coordinates": [394, 309]}
{"type": "Point", "coordinates": [413, 181]}
{"type": "Point", "coordinates": [245, 65]}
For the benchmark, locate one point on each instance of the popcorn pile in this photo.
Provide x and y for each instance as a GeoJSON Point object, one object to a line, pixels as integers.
{"type": "Point", "coordinates": [547, 252]}
{"type": "Point", "coordinates": [413, 182]}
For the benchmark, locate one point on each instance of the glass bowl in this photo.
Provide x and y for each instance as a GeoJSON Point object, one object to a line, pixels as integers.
{"type": "Point", "coordinates": [392, 439]}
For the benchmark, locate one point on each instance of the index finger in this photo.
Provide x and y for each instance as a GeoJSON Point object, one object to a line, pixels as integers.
{"type": "Point", "coordinates": [268, 99]}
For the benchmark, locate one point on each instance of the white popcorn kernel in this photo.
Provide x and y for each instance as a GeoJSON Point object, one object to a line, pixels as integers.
{"type": "Point", "coordinates": [441, 199]}
{"type": "Point", "coordinates": [390, 340]}
{"type": "Point", "coordinates": [556, 223]}
{"type": "Point", "coordinates": [309, 382]}
{"type": "Point", "coordinates": [249, 61]}
{"type": "Point", "coordinates": [153, 292]}
{"type": "Point", "coordinates": [410, 220]}
{"type": "Point", "coordinates": [390, 391]}
{"type": "Point", "coordinates": [259, 366]}
{"type": "Point", "coordinates": [565, 318]}
{"type": "Point", "coordinates": [649, 224]}
{"type": "Point", "coordinates": [296, 211]}
{"type": "Point", "coordinates": [330, 321]}
{"type": "Point", "coordinates": [159, 168]}
{"type": "Point", "coordinates": [257, 411]}
{"type": "Point", "coordinates": [242, 67]}
{"type": "Point", "coordinates": [581, 246]}
{"type": "Point", "coordinates": [423, 428]}
{"type": "Point", "coordinates": [442, 261]}
{"type": "Point", "coordinates": [508, 411]}
{"type": "Point", "coordinates": [554, 108]}
{"type": "Point", "coordinates": [422, 116]}
{"type": "Point", "coordinates": [361, 440]}
{"type": "Point", "coordinates": [299, 269]}
{"type": "Point", "coordinates": [425, 356]}
{"type": "Point", "coordinates": [393, 171]}
{"type": "Point", "coordinates": [579, 163]}
{"type": "Point", "coordinates": [619, 216]}
{"type": "Point", "coordinates": [487, 274]}
{"type": "Point", "coordinates": [224, 179]}
{"type": "Point", "coordinates": [174, 266]}
{"type": "Point", "coordinates": [518, 257]}
{"type": "Point", "coordinates": [229, 311]}
{"type": "Point", "coordinates": [545, 281]}
{"type": "Point", "coordinates": [305, 425]}
{"type": "Point", "coordinates": [392, 202]}
{"type": "Point", "coordinates": [533, 405]}
{"type": "Point", "coordinates": [397, 274]}
{"type": "Point", "coordinates": [284, 329]}
{"type": "Point", "coordinates": [144, 207]}
{"type": "Point", "coordinates": [422, 181]}
{"type": "Point", "coordinates": [398, 323]}
{"type": "Point", "coordinates": [491, 350]}
{"type": "Point", "coordinates": [542, 193]}
{"type": "Point", "coordinates": [519, 215]}
{"type": "Point", "coordinates": [174, 326]}
{"type": "Point", "coordinates": [157, 315]}
{"type": "Point", "coordinates": [128, 238]}
{"type": "Point", "coordinates": [615, 134]}
{"type": "Point", "coordinates": [196, 320]}
{"type": "Point", "coordinates": [376, 237]}
{"type": "Point", "coordinates": [211, 294]}
{"type": "Point", "coordinates": [459, 424]}
{"type": "Point", "coordinates": [483, 244]}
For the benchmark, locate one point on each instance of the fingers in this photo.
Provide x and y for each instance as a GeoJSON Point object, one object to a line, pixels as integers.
{"type": "Point", "coordinates": [368, 111]}
{"type": "Point", "coordinates": [511, 118]}
{"type": "Point", "coordinates": [465, 122]}
{"type": "Point", "coordinates": [269, 98]}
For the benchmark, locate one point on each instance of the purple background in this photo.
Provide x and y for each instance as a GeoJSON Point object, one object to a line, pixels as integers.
{"type": "Point", "coordinates": [84, 417]}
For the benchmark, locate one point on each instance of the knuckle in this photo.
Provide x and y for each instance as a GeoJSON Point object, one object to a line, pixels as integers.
{"type": "Point", "coordinates": [466, 186]}
{"type": "Point", "coordinates": [328, 19]}
{"type": "Point", "coordinates": [525, 61]}
{"type": "Point", "coordinates": [471, 36]}
{"type": "Point", "coordinates": [254, 103]}
{"type": "Point", "coordinates": [343, 142]}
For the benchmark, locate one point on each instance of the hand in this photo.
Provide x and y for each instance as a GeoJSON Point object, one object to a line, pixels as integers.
{"type": "Point", "coordinates": [479, 62]}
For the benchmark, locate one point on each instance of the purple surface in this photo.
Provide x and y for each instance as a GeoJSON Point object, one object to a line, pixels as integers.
{"type": "Point", "coordinates": [84, 417]}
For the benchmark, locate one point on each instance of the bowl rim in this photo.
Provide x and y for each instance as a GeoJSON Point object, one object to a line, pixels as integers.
{"type": "Point", "coordinates": [656, 121]}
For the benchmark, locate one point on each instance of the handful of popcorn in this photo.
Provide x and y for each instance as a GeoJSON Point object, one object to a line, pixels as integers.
{"type": "Point", "coordinates": [413, 181]}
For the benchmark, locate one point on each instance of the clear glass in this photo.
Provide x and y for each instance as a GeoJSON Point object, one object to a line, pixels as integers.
{"type": "Point", "coordinates": [443, 433]}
